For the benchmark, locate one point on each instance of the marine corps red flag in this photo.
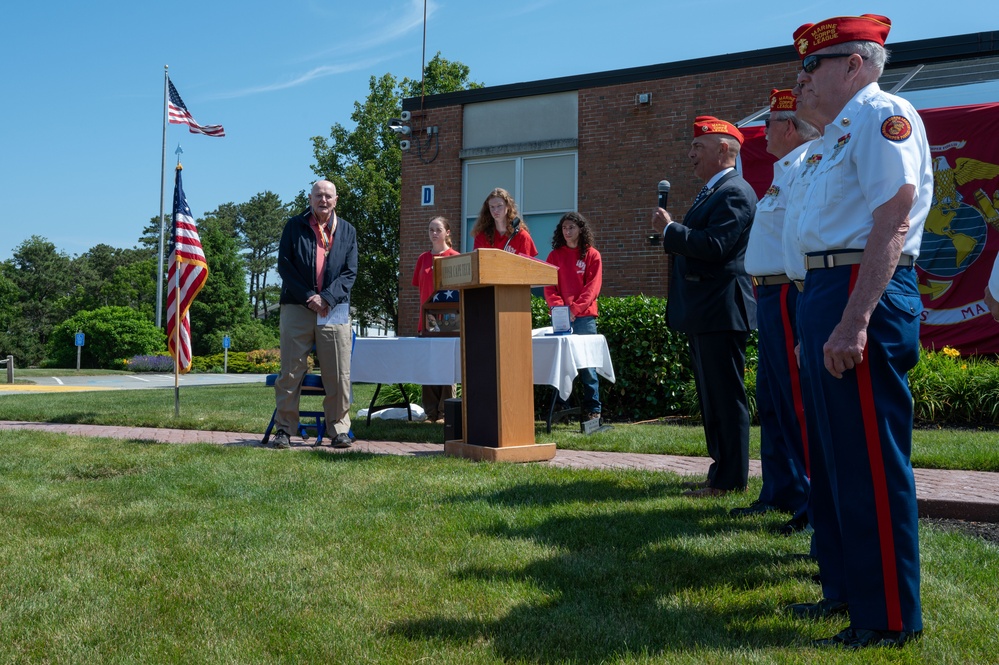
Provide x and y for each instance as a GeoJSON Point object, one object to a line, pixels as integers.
{"type": "Point", "coordinates": [188, 271]}
{"type": "Point", "coordinates": [961, 235]}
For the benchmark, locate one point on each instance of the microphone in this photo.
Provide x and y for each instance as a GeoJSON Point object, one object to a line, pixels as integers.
{"type": "Point", "coordinates": [663, 193]}
{"type": "Point", "coordinates": [515, 227]}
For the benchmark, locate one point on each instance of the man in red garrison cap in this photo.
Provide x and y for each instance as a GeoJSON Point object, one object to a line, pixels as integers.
{"type": "Point", "coordinates": [854, 232]}
{"type": "Point", "coordinates": [779, 402]}
{"type": "Point", "coordinates": [711, 299]}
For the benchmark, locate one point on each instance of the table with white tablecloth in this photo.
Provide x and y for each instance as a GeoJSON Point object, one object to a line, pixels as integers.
{"type": "Point", "coordinates": [437, 360]}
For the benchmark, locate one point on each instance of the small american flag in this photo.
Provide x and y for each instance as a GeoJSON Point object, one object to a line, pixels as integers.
{"type": "Point", "coordinates": [179, 115]}
{"type": "Point", "coordinates": [188, 265]}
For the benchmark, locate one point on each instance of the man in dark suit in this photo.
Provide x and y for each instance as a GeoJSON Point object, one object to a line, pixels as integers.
{"type": "Point", "coordinates": [711, 298]}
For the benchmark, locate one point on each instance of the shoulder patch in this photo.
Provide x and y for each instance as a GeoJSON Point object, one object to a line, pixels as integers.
{"type": "Point", "coordinates": [896, 128]}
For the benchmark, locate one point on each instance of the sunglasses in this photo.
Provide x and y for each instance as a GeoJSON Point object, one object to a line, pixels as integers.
{"type": "Point", "coordinates": [811, 62]}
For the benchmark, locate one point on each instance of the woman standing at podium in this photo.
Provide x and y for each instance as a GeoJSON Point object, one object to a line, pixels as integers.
{"type": "Point", "coordinates": [423, 277]}
{"type": "Point", "coordinates": [499, 226]}
{"type": "Point", "coordinates": [580, 275]}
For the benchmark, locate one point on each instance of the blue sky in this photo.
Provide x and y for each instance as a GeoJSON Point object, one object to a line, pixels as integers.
{"type": "Point", "coordinates": [83, 84]}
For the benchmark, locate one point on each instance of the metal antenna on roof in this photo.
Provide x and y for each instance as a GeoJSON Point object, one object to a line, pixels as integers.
{"type": "Point", "coordinates": [423, 65]}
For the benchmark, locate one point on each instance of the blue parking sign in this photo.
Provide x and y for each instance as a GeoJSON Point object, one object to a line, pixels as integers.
{"type": "Point", "coordinates": [79, 339]}
{"type": "Point", "coordinates": [225, 342]}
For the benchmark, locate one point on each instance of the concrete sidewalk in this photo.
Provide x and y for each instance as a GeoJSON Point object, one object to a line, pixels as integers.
{"type": "Point", "coordinates": [966, 495]}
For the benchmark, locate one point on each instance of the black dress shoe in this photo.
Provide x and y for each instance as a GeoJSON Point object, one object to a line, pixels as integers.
{"type": "Point", "coordinates": [823, 609]}
{"type": "Point", "coordinates": [755, 508]}
{"type": "Point", "coordinates": [694, 484]}
{"type": "Point", "coordinates": [793, 525]}
{"type": "Point", "coordinates": [859, 638]}
{"type": "Point", "coordinates": [341, 441]}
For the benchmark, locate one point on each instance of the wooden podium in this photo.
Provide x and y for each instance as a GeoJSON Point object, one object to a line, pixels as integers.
{"type": "Point", "coordinates": [497, 406]}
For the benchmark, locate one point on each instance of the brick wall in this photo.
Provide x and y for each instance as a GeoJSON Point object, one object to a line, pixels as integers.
{"type": "Point", "coordinates": [444, 173]}
{"type": "Point", "coordinates": [625, 149]}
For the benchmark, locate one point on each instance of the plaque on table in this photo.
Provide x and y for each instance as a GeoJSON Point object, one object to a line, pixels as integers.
{"type": "Point", "coordinates": [442, 314]}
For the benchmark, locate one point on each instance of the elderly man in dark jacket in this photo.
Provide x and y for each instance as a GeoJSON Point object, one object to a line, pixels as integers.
{"type": "Point", "coordinates": [317, 261]}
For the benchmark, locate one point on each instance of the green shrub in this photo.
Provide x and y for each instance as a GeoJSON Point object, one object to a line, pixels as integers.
{"type": "Point", "coordinates": [651, 361]}
{"type": "Point", "coordinates": [112, 334]}
{"type": "Point", "coordinates": [247, 336]}
{"type": "Point", "coordinates": [240, 362]}
{"type": "Point", "coordinates": [950, 390]}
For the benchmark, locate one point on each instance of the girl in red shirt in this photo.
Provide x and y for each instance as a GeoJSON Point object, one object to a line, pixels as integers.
{"type": "Point", "coordinates": [580, 275]}
{"type": "Point", "coordinates": [423, 277]}
{"type": "Point", "coordinates": [499, 226]}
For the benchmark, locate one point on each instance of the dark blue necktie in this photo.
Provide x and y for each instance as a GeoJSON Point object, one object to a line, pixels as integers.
{"type": "Point", "coordinates": [701, 195]}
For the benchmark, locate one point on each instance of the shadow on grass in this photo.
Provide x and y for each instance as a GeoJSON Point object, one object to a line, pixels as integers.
{"type": "Point", "coordinates": [641, 578]}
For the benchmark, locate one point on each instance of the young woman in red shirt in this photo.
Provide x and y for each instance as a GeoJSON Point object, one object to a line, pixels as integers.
{"type": "Point", "coordinates": [423, 277]}
{"type": "Point", "coordinates": [580, 274]}
{"type": "Point", "coordinates": [499, 226]}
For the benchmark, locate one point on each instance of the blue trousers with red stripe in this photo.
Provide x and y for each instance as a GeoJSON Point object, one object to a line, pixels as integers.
{"type": "Point", "coordinates": [779, 403]}
{"type": "Point", "coordinates": [863, 495]}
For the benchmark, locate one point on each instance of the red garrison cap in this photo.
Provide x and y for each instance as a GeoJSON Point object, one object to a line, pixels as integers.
{"type": "Point", "coordinates": [811, 37]}
{"type": "Point", "coordinates": [782, 100]}
{"type": "Point", "coordinates": [708, 124]}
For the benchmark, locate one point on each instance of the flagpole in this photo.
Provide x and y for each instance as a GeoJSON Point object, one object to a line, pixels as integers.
{"type": "Point", "coordinates": [176, 322]}
{"type": "Point", "coordinates": [159, 263]}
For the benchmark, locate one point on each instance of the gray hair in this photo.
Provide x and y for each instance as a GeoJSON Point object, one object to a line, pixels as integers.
{"type": "Point", "coordinates": [875, 56]}
{"type": "Point", "coordinates": [733, 143]}
{"type": "Point", "coordinates": [806, 130]}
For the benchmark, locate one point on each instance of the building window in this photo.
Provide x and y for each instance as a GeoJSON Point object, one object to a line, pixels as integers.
{"type": "Point", "coordinates": [544, 187]}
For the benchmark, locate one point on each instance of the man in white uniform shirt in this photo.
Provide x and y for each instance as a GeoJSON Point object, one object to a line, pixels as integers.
{"type": "Point", "coordinates": [779, 404]}
{"type": "Point", "coordinates": [865, 202]}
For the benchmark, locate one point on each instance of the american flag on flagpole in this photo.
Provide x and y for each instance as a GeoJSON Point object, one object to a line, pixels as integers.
{"type": "Point", "coordinates": [179, 115]}
{"type": "Point", "coordinates": [188, 271]}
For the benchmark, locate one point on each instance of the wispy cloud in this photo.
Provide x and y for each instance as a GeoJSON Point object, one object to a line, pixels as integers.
{"type": "Point", "coordinates": [307, 77]}
{"type": "Point", "coordinates": [528, 9]}
{"type": "Point", "coordinates": [355, 54]}
{"type": "Point", "coordinates": [388, 27]}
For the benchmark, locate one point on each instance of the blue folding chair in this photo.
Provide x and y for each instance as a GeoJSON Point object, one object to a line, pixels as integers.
{"type": "Point", "coordinates": [312, 384]}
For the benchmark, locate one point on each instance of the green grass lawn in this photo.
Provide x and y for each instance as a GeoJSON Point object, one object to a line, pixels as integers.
{"type": "Point", "coordinates": [130, 552]}
{"type": "Point", "coordinates": [247, 408]}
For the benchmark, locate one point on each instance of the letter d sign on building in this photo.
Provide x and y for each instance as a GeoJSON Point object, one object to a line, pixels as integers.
{"type": "Point", "coordinates": [428, 195]}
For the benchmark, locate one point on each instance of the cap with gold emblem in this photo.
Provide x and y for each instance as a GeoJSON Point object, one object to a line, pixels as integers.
{"type": "Point", "coordinates": [782, 100]}
{"type": "Point", "coordinates": [708, 124]}
{"type": "Point", "coordinates": [812, 37]}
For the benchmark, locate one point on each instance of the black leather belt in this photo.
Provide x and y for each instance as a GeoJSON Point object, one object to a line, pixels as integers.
{"type": "Point", "coordinates": [771, 280]}
{"type": "Point", "coordinates": [848, 258]}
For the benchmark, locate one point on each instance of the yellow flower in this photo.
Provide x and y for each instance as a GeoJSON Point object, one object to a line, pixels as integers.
{"type": "Point", "coordinates": [951, 352]}
{"type": "Point", "coordinates": [964, 365]}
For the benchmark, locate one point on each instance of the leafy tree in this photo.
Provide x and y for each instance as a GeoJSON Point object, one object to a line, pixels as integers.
{"type": "Point", "coordinates": [439, 76]}
{"type": "Point", "coordinates": [259, 224]}
{"type": "Point", "coordinates": [44, 280]}
{"type": "Point", "coordinates": [365, 165]}
{"type": "Point", "coordinates": [133, 283]}
{"type": "Point", "coordinates": [96, 279]}
{"type": "Point", "coordinates": [9, 311]}
{"type": "Point", "coordinates": [112, 335]}
{"type": "Point", "coordinates": [222, 303]}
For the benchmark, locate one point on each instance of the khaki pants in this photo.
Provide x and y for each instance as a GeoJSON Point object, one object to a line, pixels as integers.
{"type": "Point", "coordinates": [299, 333]}
{"type": "Point", "coordinates": [433, 400]}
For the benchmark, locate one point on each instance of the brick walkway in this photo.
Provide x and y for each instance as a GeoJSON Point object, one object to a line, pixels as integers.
{"type": "Point", "coordinates": [968, 495]}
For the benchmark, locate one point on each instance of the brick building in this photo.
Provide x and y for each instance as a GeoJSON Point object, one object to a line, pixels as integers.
{"type": "Point", "coordinates": [599, 143]}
